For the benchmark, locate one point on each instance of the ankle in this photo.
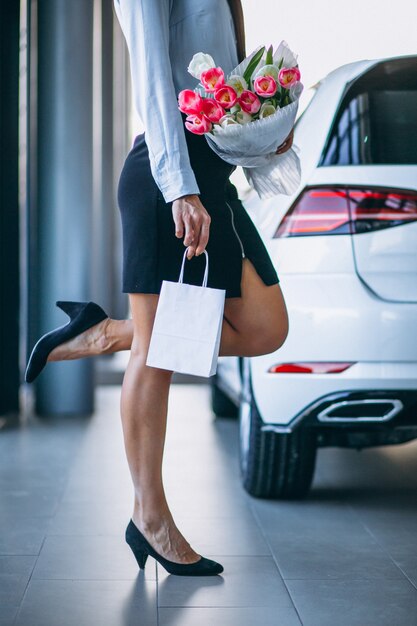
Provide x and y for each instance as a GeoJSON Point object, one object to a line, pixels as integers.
{"type": "Point", "coordinates": [104, 342]}
{"type": "Point", "coordinates": [115, 335]}
{"type": "Point", "coordinates": [151, 523]}
{"type": "Point", "coordinates": [152, 517]}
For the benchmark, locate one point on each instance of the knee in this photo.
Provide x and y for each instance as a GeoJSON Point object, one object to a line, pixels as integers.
{"type": "Point", "coordinates": [269, 340]}
{"type": "Point", "coordinates": [137, 362]}
{"type": "Point", "coordinates": [279, 338]}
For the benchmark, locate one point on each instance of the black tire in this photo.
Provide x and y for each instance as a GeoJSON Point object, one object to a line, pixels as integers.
{"type": "Point", "coordinates": [221, 404]}
{"type": "Point", "coordinates": [273, 465]}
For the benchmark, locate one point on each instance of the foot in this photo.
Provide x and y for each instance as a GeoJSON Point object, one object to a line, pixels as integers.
{"type": "Point", "coordinates": [166, 539]}
{"type": "Point", "coordinates": [91, 342]}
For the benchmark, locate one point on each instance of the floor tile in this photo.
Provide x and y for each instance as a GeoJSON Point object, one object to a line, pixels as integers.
{"type": "Point", "coordinates": [89, 602]}
{"type": "Point", "coordinates": [355, 602]}
{"type": "Point", "coordinates": [8, 614]}
{"type": "Point", "coordinates": [247, 616]}
{"type": "Point", "coordinates": [320, 542]}
{"type": "Point", "coordinates": [106, 517]}
{"type": "Point", "coordinates": [15, 572]}
{"type": "Point", "coordinates": [23, 536]}
{"type": "Point", "coordinates": [336, 556]}
{"type": "Point", "coordinates": [27, 502]}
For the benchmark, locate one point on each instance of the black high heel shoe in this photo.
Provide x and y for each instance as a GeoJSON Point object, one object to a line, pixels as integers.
{"type": "Point", "coordinates": [82, 316]}
{"type": "Point", "coordinates": [141, 549]}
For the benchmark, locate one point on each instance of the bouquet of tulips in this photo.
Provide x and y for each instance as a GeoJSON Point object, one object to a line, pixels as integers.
{"type": "Point", "coordinates": [246, 115]}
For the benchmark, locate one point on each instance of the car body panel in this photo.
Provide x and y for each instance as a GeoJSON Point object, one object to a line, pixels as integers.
{"type": "Point", "coordinates": [285, 388]}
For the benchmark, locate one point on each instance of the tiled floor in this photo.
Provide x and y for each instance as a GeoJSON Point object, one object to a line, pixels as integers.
{"type": "Point", "coordinates": [345, 556]}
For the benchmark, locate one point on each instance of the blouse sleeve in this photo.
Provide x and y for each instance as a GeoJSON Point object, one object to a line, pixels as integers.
{"type": "Point", "coordinates": [145, 24]}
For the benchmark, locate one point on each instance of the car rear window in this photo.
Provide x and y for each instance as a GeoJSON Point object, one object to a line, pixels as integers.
{"type": "Point", "coordinates": [377, 120]}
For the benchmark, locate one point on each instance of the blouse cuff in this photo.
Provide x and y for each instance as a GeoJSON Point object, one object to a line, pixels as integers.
{"type": "Point", "coordinates": [183, 186]}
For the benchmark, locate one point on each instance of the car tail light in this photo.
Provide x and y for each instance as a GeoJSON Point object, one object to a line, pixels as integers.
{"type": "Point", "coordinates": [341, 211]}
{"type": "Point", "coordinates": [377, 209]}
{"type": "Point", "coordinates": [311, 367]}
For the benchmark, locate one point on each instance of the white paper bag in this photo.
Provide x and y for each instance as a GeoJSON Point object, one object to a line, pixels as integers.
{"type": "Point", "coordinates": [187, 326]}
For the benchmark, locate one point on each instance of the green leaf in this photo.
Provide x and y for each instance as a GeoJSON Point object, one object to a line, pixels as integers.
{"type": "Point", "coordinates": [269, 56]}
{"type": "Point", "coordinates": [286, 98]}
{"type": "Point", "coordinates": [252, 64]}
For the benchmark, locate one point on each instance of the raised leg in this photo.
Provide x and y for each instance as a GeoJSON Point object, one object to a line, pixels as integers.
{"type": "Point", "coordinates": [259, 319]}
{"type": "Point", "coordinates": [256, 323]}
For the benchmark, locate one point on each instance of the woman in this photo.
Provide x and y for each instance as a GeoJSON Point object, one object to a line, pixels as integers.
{"type": "Point", "coordinates": [174, 191]}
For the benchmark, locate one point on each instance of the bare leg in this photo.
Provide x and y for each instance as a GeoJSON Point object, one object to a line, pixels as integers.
{"type": "Point", "coordinates": [256, 323]}
{"type": "Point", "coordinates": [144, 404]}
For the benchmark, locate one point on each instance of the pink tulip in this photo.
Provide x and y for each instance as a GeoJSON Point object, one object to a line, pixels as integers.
{"type": "Point", "coordinates": [198, 124]}
{"type": "Point", "coordinates": [289, 76]}
{"type": "Point", "coordinates": [190, 102]}
{"type": "Point", "coordinates": [212, 110]}
{"type": "Point", "coordinates": [265, 86]}
{"type": "Point", "coordinates": [249, 102]}
{"type": "Point", "coordinates": [226, 96]}
{"type": "Point", "coordinates": [212, 79]}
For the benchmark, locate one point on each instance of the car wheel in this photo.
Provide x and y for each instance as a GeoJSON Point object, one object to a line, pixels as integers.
{"type": "Point", "coordinates": [221, 404]}
{"type": "Point", "coordinates": [273, 465]}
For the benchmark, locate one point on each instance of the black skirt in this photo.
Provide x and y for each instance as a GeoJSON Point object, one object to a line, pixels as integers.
{"type": "Point", "coordinates": [151, 251]}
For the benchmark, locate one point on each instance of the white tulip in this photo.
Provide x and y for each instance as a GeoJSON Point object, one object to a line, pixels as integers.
{"type": "Point", "coordinates": [266, 109]}
{"type": "Point", "coordinates": [227, 120]}
{"type": "Point", "coordinates": [243, 118]}
{"type": "Point", "coordinates": [200, 63]}
{"type": "Point", "coordinates": [268, 70]}
{"type": "Point", "coordinates": [238, 83]}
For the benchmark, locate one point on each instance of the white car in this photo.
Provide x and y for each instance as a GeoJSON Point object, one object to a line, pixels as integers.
{"type": "Point", "coordinates": [345, 249]}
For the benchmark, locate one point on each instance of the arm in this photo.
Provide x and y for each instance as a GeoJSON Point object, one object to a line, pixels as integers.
{"type": "Point", "coordinates": [145, 24]}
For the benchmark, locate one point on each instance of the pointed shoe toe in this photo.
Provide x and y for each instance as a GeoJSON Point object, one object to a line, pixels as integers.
{"type": "Point", "coordinates": [83, 315]}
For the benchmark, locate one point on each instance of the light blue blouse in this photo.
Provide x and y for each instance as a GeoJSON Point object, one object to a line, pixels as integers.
{"type": "Point", "coordinates": [162, 36]}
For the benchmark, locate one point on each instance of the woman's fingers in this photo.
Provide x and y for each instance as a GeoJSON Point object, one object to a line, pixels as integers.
{"type": "Point", "coordinates": [286, 145]}
{"type": "Point", "coordinates": [191, 220]}
{"type": "Point", "coordinates": [190, 235]}
{"type": "Point", "coordinates": [204, 235]}
{"type": "Point", "coordinates": [189, 230]}
{"type": "Point", "coordinates": [179, 225]}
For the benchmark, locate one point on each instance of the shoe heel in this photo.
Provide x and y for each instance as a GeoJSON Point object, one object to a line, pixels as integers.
{"type": "Point", "coordinates": [140, 555]}
{"type": "Point", "coordinates": [71, 308]}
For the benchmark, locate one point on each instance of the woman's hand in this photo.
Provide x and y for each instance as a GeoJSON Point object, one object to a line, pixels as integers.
{"type": "Point", "coordinates": [286, 145]}
{"type": "Point", "coordinates": [192, 218]}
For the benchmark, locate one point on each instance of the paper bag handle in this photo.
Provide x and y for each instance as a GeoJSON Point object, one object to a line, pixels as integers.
{"type": "Point", "coordinates": [204, 284]}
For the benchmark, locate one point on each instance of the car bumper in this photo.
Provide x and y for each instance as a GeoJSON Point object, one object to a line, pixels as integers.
{"type": "Point", "coordinates": [358, 418]}
{"type": "Point", "coordinates": [286, 400]}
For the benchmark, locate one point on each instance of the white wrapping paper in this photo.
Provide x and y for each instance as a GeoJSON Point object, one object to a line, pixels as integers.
{"type": "Point", "coordinates": [253, 145]}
